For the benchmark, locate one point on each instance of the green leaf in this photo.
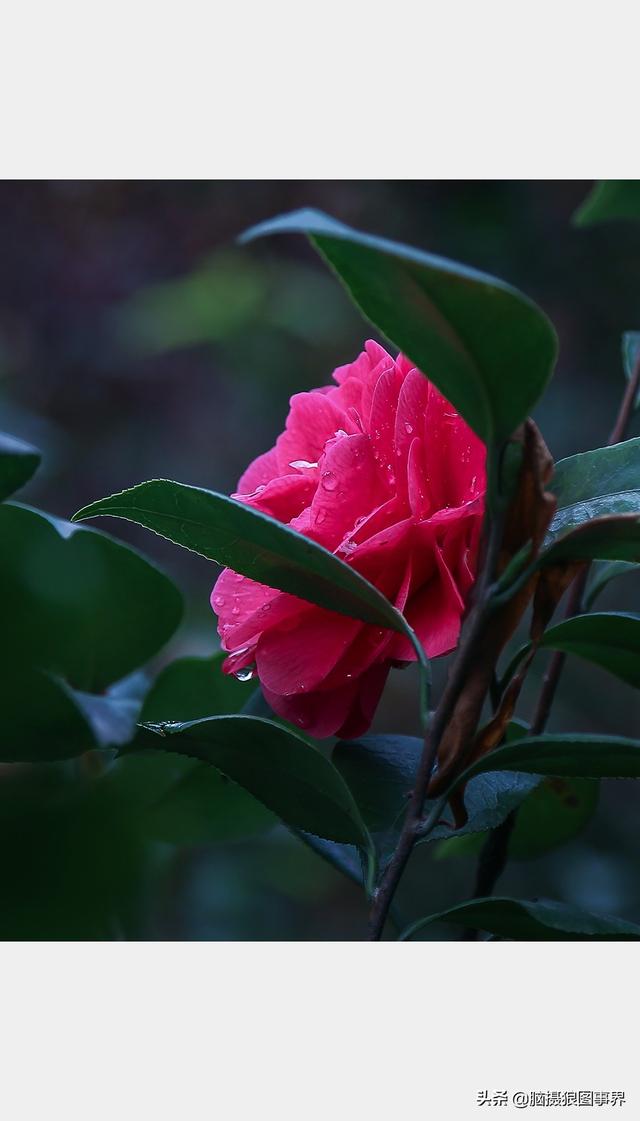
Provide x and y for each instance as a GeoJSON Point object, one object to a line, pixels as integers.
{"type": "Point", "coordinates": [609, 639]}
{"type": "Point", "coordinates": [600, 473]}
{"type": "Point", "coordinates": [44, 719]}
{"type": "Point", "coordinates": [191, 688]}
{"type": "Point", "coordinates": [197, 804]}
{"type": "Point", "coordinates": [283, 771]}
{"type": "Point", "coordinates": [548, 816]}
{"type": "Point", "coordinates": [343, 857]}
{"type": "Point", "coordinates": [381, 770]}
{"type": "Point", "coordinates": [489, 799]}
{"type": "Point", "coordinates": [604, 538]}
{"type": "Point", "coordinates": [602, 575]}
{"type": "Point", "coordinates": [113, 716]}
{"type": "Point", "coordinates": [485, 345]}
{"type": "Point", "coordinates": [592, 488]}
{"type": "Point", "coordinates": [18, 461]}
{"type": "Point", "coordinates": [630, 356]}
{"type": "Point", "coordinates": [78, 603]}
{"type": "Point", "coordinates": [575, 517]}
{"type": "Point", "coordinates": [569, 753]}
{"type": "Point", "coordinates": [541, 920]}
{"type": "Point", "coordinates": [610, 199]}
{"type": "Point", "coordinates": [249, 542]}
{"type": "Point", "coordinates": [41, 720]}
{"type": "Point", "coordinates": [205, 806]}
{"type": "Point", "coordinates": [552, 814]}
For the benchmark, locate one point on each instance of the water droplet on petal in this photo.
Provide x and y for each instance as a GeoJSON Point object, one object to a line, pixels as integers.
{"type": "Point", "coordinates": [347, 548]}
{"type": "Point", "coordinates": [320, 516]}
{"type": "Point", "coordinates": [408, 428]}
{"type": "Point", "coordinates": [302, 464]}
{"type": "Point", "coordinates": [218, 601]}
{"type": "Point", "coordinates": [247, 673]}
{"type": "Point", "coordinates": [235, 610]}
{"type": "Point", "coordinates": [329, 481]}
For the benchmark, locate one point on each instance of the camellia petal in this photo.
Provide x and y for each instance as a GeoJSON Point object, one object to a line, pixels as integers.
{"type": "Point", "coordinates": [381, 470]}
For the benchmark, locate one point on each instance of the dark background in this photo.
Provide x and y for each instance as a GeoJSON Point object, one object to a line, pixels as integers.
{"type": "Point", "coordinates": [138, 340]}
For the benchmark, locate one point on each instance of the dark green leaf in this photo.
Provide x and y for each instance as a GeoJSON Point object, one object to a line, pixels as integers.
{"type": "Point", "coordinates": [205, 806]}
{"type": "Point", "coordinates": [190, 688]}
{"type": "Point", "coordinates": [567, 520]}
{"type": "Point", "coordinates": [598, 493]}
{"type": "Point", "coordinates": [287, 774]}
{"type": "Point", "coordinates": [630, 356]}
{"type": "Point", "coordinates": [465, 330]}
{"type": "Point", "coordinates": [601, 473]}
{"type": "Point", "coordinates": [523, 920]}
{"type": "Point", "coordinates": [610, 199]}
{"type": "Point", "coordinates": [550, 815]}
{"type": "Point", "coordinates": [569, 753]}
{"type": "Point", "coordinates": [197, 804]}
{"type": "Point", "coordinates": [44, 719]}
{"type": "Point", "coordinates": [380, 772]}
{"type": "Point", "coordinates": [18, 461]}
{"type": "Point", "coordinates": [610, 639]}
{"type": "Point", "coordinates": [113, 716]}
{"type": "Point", "coordinates": [78, 603]}
{"type": "Point", "coordinates": [41, 720]}
{"type": "Point", "coordinates": [602, 574]}
{"type": "Point", "coordinates": [489, 799]}
{"type": "Point", "coordinates": [249, 542]}
{"type": "Point", "coordinates": [604, 538]}
{"type": "Point", "coordinates": [343, 857]}
{"type": "Point", "coordinates": [553, 814]}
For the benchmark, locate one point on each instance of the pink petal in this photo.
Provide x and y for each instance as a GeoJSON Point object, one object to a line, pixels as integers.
{"type": "Point", "coordinates": [297, 659]}
{"type": "Point", "coordinates": [365, 703]}
{"type": "Point", "coordinates": [244, 608]}
{"type": "Point", "coordinates": [313, 419]}
{"type": "Point", "coordinates": [284, 498]}
{"type": "Point", "coordinates": [417, 485]}
{"type": "Point", "coordinates": [455, 457]}
{"type": "Point", "coordinates": [382, 422]}
{"type": "Point", "coordinates": [412, 406]}
{"type": "Point", "coordinates": [319, 714]}
{"type": "Point", "coordinates": [259, 473]}
{"type": "Point", "coordinates": [348, 488]}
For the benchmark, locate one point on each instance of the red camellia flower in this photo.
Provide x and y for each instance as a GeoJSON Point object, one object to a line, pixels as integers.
{"type": "Point", "coordinates": [381, 470]}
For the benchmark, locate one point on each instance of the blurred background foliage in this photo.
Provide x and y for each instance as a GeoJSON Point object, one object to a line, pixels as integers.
{"type": "Point", "coordinates": [138, 340]}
